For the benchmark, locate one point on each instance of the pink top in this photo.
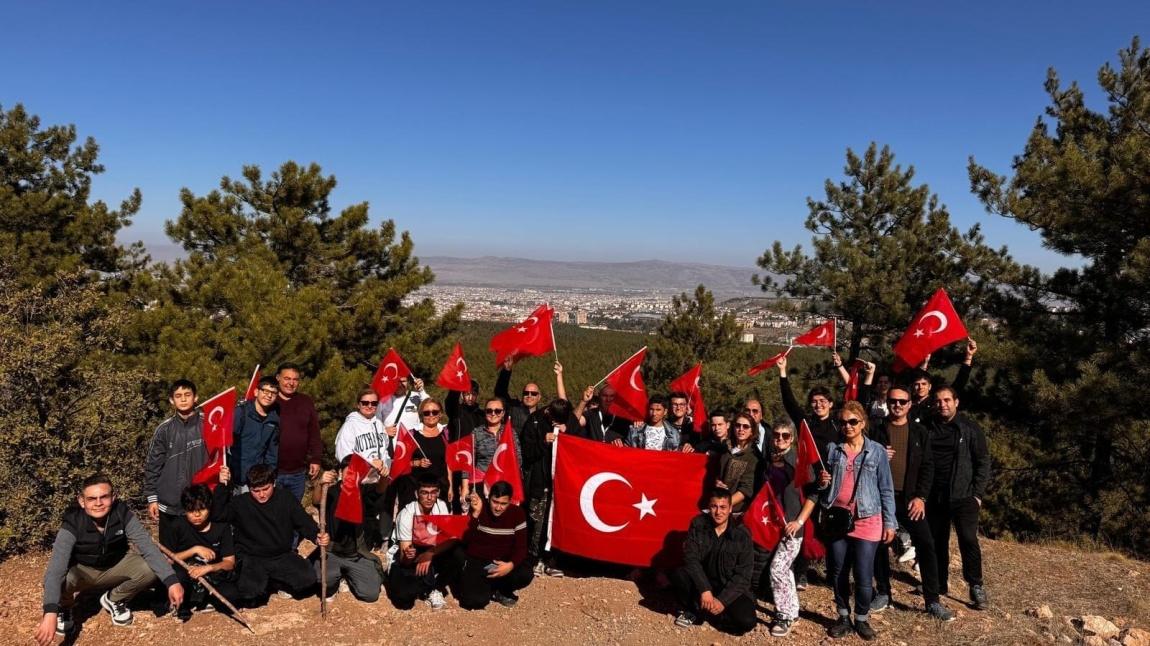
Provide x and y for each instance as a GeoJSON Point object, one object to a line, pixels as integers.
{"type": "Point", "coordinates": [866, 529]}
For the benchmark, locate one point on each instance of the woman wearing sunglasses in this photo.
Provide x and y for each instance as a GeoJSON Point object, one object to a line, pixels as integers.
{"type": "Point", "coordinates": [738, 465]}
{"type": "Point", "coordinates": [363, 433]}
{"type": "Point", "coordinates": [431, 457]}
{"type": "Point", "coordinates": [857, 498]}
{"type": "Point", "coordinates": [487, 440]}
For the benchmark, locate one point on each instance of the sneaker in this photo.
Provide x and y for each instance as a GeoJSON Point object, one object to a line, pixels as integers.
{"type": "Point", "coordinates": [686, 619]}
{"type": "Point", "coordinates": [801, 582]}
{"type": "Point", "coordinates": [505, 600]}
{"type": "Point", "coordinates": [938, 611]}
{"type": "Point", "coordinates": [782, 627]}
{"type": "Point", "coordinates": [64, 622]}
{"type": "Point", "coordinates": [539, 569]}
{"type": "Point", "coordinates": [841, 628]}
{"type": "Point", "coordinates": [344, 587]}
{"type": "Point", "coordinates": [880, 602]}
{"type": "Point", "coordinates": [436, 601]}
{"type": "Point", "coordinates": [184, 612]}
{"type": "Point", "coordinates": [551, 570]}
{"type": "Point", "coordinates": [978, 597]}
{"type": "Point", "coordinates": [864, 630]}
{"type": "Point", "coordinates": [917, 589]}
{"type": "Point", "coordinates": [284, 594]}
{"type": "Point", "coordinates": [908, 555]}
{"type": "Point", "coordinates": [331, 596]}
{"type": "Point", "coordinates": [121, 615]}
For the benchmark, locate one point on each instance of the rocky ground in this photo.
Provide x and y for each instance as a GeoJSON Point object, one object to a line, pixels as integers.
{"type": "Point", "coordinates": [1039, 594]}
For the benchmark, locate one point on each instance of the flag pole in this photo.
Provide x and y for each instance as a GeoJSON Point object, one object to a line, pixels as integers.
{"type": "Point", "coordinates": [598, 383]}
{"type": "Point", "coordinates": [554, 344]}
{"type": "Point", "coordinates": [323, 552]}
{"type": "Point", "coordinates": [239, 616]}
{"type": "Point", "coordinates": [551, 507]}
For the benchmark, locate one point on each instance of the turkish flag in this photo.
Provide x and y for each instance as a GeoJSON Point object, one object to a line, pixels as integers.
{"type": "Point", "coordinates": [765, 518]}
{"type": "Point", "coordinates": [936, 325]}
{"type": "Point", "coordinates": [404, 453]}
{"type": "Point", "coordinates": [852, 390]}
{"type": "Point", "coordinates": [461, 454]}
{"type": "Point", "coordinates": [688, 383]}
{"type": "Point", "coordinates": [529, 338]}
{"type": "Point", "coordinates": [624, 505]}
{"type": "Point", "coordinates": [505, 465]}
{"type": "Point", "coordinates": [823, 335]}
{"type": "Point", "coordinates": [630, 392]}
{"type": "Point", "coordinates": [432, 529]}
{"type": "Point", "coordinates": [806, 456]}
{"type": "Point", "coordinates": [219, 416]}
{"type": "Point", "coordinates": [455, 375]}
{"type": "Point", "coordinates": [253, 384]}
{"type": "Point", "coordinates": [387, 376]}
{"type": "Point", "coordinates": [350, 505]}
{"type": "Point", "coordinates": [769, 362]}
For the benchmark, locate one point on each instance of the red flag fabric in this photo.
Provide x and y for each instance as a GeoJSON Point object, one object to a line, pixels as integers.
{"type": "Point", "coordinates": [505, 465]}
{"type": "Point", "coordinates": [218, 414]}
{"type": "Point", "coordinates": [404, 453]}
{"type": "Point", "coordinates": [936, 325]}
{"type": "Point", "coordinates": [455, 375]}
{"type": "Point", "coordinates": [630, 392]}
{"type": "Point", "coordinates": [624, 505]}
{"type": "Point", "coordinates": [822, 335]}
{"type": "Point", "coordinates": [769, 362]}
{"type": "Point", "coordinates": [529, 338]}
{"type": "Point", "coordinates": [688, 383]}
{"type": "Point", "coordinates": [350, 505]}
{"type": "Point", "coordinates": [852, 390]}
{"type": "Point", "coordinates": [389, 373]}
{"type": "Point", "coordinates": [461, 454]}
{"type": "Point", "coordinates": [765, 518]}
{"type": "Point", "coordinates": [432, 529]}
{"type": "Point", "coordinates": [806, 456]}
{"type": "Point", "coordinates": [253, 384]}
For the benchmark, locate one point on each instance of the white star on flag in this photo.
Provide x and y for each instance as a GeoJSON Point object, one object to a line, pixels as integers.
{"type": "Point", "coordinates": [645, 506]}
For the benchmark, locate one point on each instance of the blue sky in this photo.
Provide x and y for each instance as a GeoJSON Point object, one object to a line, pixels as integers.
{"type": "Point", "coordinates": [623, 130]}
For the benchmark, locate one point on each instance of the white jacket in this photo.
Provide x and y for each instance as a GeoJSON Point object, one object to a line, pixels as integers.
{"type": "Point", "coordinates": [364, 436]}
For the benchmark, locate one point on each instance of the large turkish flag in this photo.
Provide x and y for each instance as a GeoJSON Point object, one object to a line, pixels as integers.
{"type": "Point", "coordinates": [624, 505]}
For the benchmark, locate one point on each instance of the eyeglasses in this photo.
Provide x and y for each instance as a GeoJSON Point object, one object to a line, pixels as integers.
{"type": "Point", "coordinates": [493, 411]}
{"type": "Point", "coordinates": [738, 425]}
{"type": "Point", "coordinates": [530, 393]}
{"type": "Point", "coordinates": [781, 436]}
{"type": "Point", "coordinates": [433, 492]}
{"type": "Point", "coordinates": [369, 403]}
{"type": "Point", "coordinates": [268, 391]}
{"type": "Point", "coordinates": [852, 422]}
{"type": "Point", "coordinates": [900, 402]}
{"type": "Point", "coordinates": [430, 413]}
{"type": "Point", "coordinates": [752, 410]}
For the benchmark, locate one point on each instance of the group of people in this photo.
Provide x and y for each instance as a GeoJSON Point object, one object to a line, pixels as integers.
{"type": "Point", "coordinates": [900, 466]}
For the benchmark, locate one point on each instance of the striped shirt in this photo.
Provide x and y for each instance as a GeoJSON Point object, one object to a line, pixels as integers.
{"type": "Point", "coordinates": [498, 538]}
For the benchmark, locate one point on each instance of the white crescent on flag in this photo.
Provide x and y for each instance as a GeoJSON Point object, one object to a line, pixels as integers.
{"type": "Point", "coordinates": [395, 370]}
{"type": "Point", "coordinates": [635, 373]}
{"type": "Point", "coordinates": [942, 322]}
{"type": "Point", "coordinates": [466, 454]}
{"type": "Point", "coordinates": [587, 501]}
{"type": "Point", "coordinates": [495, 458]}
{"type": "Point", "coordinates": [822, 333]}
{"type": "Point", "coordinates": [400, 450]}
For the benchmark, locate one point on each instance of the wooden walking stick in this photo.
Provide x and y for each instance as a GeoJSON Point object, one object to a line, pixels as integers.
{"type": "Point", "coordinates": [323, 551]}
{"type": "Point", "coordinates": [236, 614]}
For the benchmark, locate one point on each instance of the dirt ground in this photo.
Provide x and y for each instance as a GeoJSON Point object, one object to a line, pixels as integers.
{"type": "Point", "coordinates": [598, 610]}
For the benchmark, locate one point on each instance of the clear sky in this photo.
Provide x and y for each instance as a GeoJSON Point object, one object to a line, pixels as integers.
{"type": "Point", "coordinates": [595, 130]}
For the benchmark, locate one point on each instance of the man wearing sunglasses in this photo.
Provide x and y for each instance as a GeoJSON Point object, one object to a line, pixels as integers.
{"type": "Point", "coordinates": [912, 469]}
{"type": "Point", "coordinates": [518, 410]}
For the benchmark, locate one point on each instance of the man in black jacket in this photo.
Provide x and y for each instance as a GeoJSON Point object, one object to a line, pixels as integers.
{"type": "Point", "coordinates": [912, 467]}
{"type": "Point", "coordinates": [715, 578]}
{"type": "Point", "coordinates": [264, 521]}
{"type": "Point", "coordinates": [961, 474]}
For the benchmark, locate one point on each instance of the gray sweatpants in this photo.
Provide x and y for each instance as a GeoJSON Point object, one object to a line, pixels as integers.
{"type": "Point", "coordinates": [361, 574]}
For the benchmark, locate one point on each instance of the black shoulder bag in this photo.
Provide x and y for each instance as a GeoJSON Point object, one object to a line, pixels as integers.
{"type": "Point", "coordinates": [837, 522]}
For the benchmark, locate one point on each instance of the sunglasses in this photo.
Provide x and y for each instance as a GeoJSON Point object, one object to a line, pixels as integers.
{"type": "Point", "coordinates": [530, 393]}
{"type": "Point", "coordinates": [493, 411]}
{"type": "Point", "coordinates": [781, 436]}
{"type": "Point", "coordinates": [901, 402]}
{"type": "Point", "coordinates": [852, 422]}
{"type": "Point", "coordinates": [430, 413]}
{"type": "Point", "coordinates": [742, 425]}
{"type": "Point", "coordinates": [752, 410]}
{"type": "Point", "coordinates": [369, 403]}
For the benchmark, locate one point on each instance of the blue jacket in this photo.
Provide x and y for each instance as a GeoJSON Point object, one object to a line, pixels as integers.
{"type": "Point", "coordinates": [875, 486]}
{"type": "Point", "coordinates": [637, 437]}
{"type": "Point", "coordinates": [256, 440]}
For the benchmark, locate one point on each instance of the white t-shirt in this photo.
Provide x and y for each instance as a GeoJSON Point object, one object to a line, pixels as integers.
{"type": "Point", "coordinates": [654, 437]}
{"type": "Point", "coordinates": [405, 521]}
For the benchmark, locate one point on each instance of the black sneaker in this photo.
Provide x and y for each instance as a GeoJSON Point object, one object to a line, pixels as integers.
{"type": "Point", "coordinates": [64, 622]}
{"type": "Point", "coordinates": [939, 612]}
{"type": "Point", "coordinates": [880, 602]}
{"type": "Point", "coordinates": [506, 600]}
{"type": "Point", "coordinates": [841, 628]}
{"type": "Point", "coordinates": [864, 630]}
{"type": "Point", "coordinates": [184, 612]}
{"type": "Point", "coordinates": [978, 598]}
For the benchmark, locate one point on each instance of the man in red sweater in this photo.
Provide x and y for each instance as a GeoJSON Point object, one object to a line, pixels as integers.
{"type": "Point", "coordinates": [495, 557]}
{"type": "Point", "coordinates": [301, 448]}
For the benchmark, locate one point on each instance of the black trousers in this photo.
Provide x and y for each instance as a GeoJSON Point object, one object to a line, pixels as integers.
{"type": "Point", "coordinates": [473, 589]}
{"type": "Point", "coordinates": [404, 586]}
{"type": "Point", "coordinates": [290, 571]}
{"type": "Point", "coordinates": [923, 541]}
{"type": "Point", "coordinates": [963, 515]}
{"type": "Point", "coordinates": [168, 524]}
{"type": "Point", "coordinates": [196, 595]}
{"type": "Point", "coordinates": [737, 618]}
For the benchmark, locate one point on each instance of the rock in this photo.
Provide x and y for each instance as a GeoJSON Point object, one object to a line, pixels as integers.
{"type": "Point", "coordinates": [1094, 640]}
{"type": "Point", "coordinates": [1042, 612]}
{"type": "Point", "coordinates": [1136, 637]}
{"type": "Point", "coordinates": [1099, 626]}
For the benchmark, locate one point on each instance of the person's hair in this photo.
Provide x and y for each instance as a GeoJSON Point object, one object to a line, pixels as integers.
{"type": "Point", "coordinates": [657, 399]}
{"type": "Point", "coordinates": [820, 391]}
{"type": "Point", "coordinates": [678, 395]}
{"type": "Point", "coordinates": [430, 400]}
{"type": "Point", "coordinates": [196, 497]}
{"type": "Point", "coordinates": [260, 475]}
{"type": "Point", "coordinates": [288, 366]}
{"type": "Point", "coordinates": [558, 410]}
{"type": "Point", "coordinates": [784, 424]}
{"type": "Point", "coordinates": [346, 461]}
{"type": "Point", "coordinates": [899, 386]}
{"type": "Point", "coordinates": [917, 374]}
{"type": "Point", "coordinates": [725, 414]}
{"type": "Point", "coordinates": [856, 408]}
{"type": "Point", "coordinates": [754, 429]}
{"type": "Point", "coordinates": [181, 383]}
{"type": "Point", "coordinates": [500, 489]}
{"type": "Point", "coordinates": [366, 390]}
{"type": "Point", "coordinates": [475, 387]}
{"type": "Point", "coordinates": [721, 493]}
{"type": "Point", "coordinates": [93, 480]}
{"type": "Point", "coordinates": [269, 381]}
{"type": "Point", "coordinates": [427, 479]}
{"type": "Point", "coordinates": [945, 389]}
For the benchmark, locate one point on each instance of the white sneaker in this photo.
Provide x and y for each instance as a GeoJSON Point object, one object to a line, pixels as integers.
{"type": "Point", "coordinates": [344, 587]}
{"type": "Point", "coordinates": [284, 594]}
{"type": "Point", "coordinates": [908, 555]}
{"type": "Point", "coordinates": [436, 601]}
{"type": "Point", "coordinates": [121, 615]}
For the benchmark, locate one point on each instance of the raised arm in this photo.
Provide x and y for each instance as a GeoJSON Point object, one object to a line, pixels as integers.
{"type": "Point", "coordinates": [790, 404]}
{"type": "Point", "coordinates": [844, 374]}
{"type": "Point", "coordinates": [560, 391]}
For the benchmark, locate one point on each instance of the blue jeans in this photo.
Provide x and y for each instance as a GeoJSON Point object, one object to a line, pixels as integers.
{"type": "Point", "coordinates": [846, 554]}
{"type": "Point", "coordinates": [293, 482]}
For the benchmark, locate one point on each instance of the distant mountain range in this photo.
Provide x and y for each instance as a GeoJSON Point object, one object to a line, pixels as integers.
{"type": "Point", "coordinates": [647, 275]}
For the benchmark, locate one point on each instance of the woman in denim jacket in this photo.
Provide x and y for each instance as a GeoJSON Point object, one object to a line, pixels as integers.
{"type": "Point", "coordinates": [873, 507]}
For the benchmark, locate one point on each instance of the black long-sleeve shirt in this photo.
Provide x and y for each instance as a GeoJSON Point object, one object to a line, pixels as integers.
{"type": "Point", "coordinates": [263, 530]}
